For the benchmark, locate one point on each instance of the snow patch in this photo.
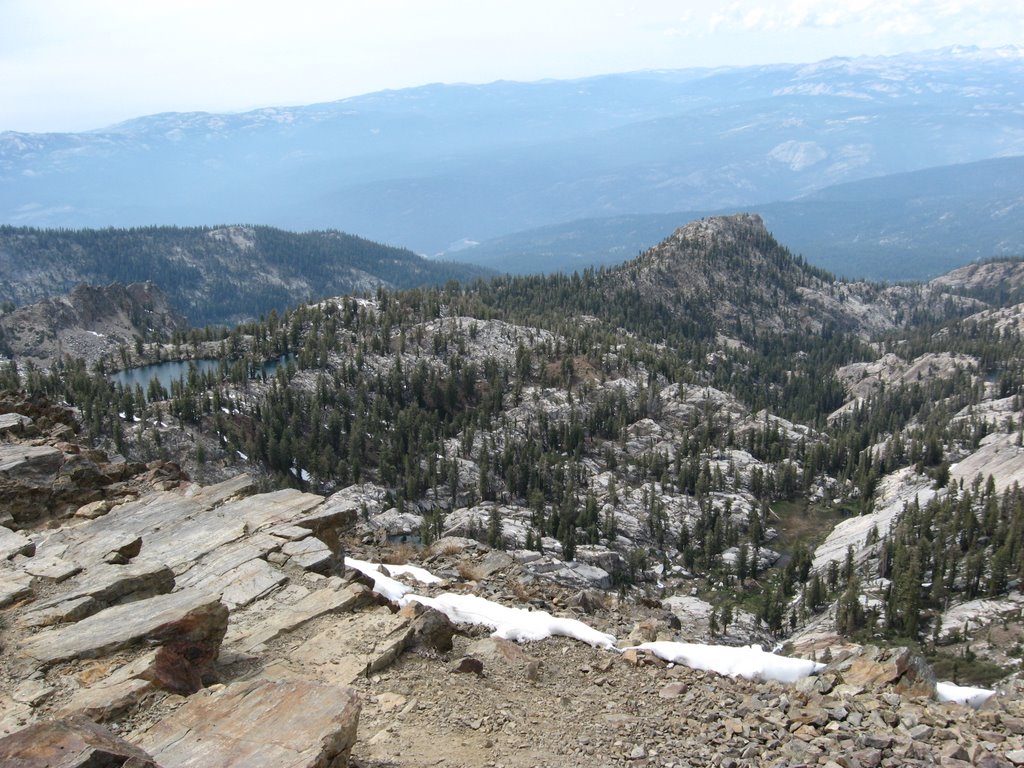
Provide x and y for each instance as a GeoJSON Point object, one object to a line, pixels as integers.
{"type": "Point", "coordinates": [522, 625]}
{"type": "Point", "coordinates": [512, 623]}
{"type": "Point", "coordinates": [382, 584]}
{"type": "Point", "coordinates": [421, 575]}
{"type": "Point", "coordinates": [973, 697]}
{"type": "Point", "coordinates": [750, 662]}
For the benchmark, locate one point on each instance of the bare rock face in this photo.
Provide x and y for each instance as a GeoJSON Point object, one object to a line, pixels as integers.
{"type": "Point", "coordinates": [27, 476]}
{"type": "Point", "coordinates": [875, 668]}
{"type": "Point", "coordinates": [44, 476]}
{"type": "Point", "coordinates": [573, 574]}
{"type": "Point", "coordinates": [101, 586]}
{"type": "Point", "coordinates": [119, 611]}
{"type": "Point", "coordinates": [1009, 274]}
{"type": "Point", "coordinates": [89, 322]}
{"type": "Point", "coordinates": [15, 423]}
{"type": "Point", "coordinates": [188, 616]}
{"type": "Point", "coordinates": [313, 726]}
{"type": "Point", "coordinates": [32, 466]}
{"type": "Point", "coordinates": [14, 586]}
{"type": "Point", "coordinates": [121, 692]}
{"type": "Point", "coordinates": [12, 544]}
{"type": "Point", "coordinates": [284, 619]}
{"type": "Point", "coordinates": [72, 743]}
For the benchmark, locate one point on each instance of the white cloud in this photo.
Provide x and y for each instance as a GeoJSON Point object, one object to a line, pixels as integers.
{"type": "Point", "coordinates": [753, 18]}
{"type": "Point", "coordinates": [905, 17]}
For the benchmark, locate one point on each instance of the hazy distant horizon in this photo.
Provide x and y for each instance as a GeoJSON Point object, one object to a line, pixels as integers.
{"type": "Point", "coordinates": [299, 105]}
{"type": "Point", "coordinates": [67, 66]}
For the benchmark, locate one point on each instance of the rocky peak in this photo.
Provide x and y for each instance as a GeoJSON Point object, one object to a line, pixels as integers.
{"type": "Point", "coordinates": [720, 229]}
{"type": "Point", "coordinates": [729, 271]}
{"type": "Point", "coordinates": [741, 236]}
{"type": "Point", "coordinates": [728, 275]}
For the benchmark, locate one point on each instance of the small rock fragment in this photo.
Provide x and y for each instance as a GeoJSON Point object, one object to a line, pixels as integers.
{"type": "Point", "coordinates": [533, 670]}
{"type": "Point", "coordinates": [673, 690]}
{"type": "Point", "coordinates": [468, 664]}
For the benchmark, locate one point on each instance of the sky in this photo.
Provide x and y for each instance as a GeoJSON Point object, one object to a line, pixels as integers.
{"type": "Point", "coordinates": [70, 65]}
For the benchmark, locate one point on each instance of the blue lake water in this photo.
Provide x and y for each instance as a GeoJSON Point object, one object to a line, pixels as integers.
{"type": "Point", "coordinates": [173, 370]}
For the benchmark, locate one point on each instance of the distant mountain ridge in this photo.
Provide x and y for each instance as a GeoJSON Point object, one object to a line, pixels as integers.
{"type": "Point", "coordinates": [432, 166]}
{"type": "Point", "coordinates": [910, 226]}
{"type": "Point", "coordinates": [220, 275]}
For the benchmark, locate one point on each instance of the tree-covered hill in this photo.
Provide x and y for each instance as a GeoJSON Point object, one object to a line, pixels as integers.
{"type": "Point", "coordinates": [724, 276]}
{"type": "Point", "coordinates": [714, 419]}
{"type": "Point", "coordinates": [212, 275]}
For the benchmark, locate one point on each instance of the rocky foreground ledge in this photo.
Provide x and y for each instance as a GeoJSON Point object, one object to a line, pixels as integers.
{"type": "Point", "coordinates": [148, 621]}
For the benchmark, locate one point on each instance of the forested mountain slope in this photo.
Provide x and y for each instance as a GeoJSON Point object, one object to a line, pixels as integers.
{"type": "Point", "coordinates": [726, 275]}
{"type": "Point", "coordinates": [212, 275]}
{"type": "Point", "coordinates": [714, 421]}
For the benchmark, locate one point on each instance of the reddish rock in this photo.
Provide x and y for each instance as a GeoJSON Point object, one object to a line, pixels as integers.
{"type": "Point", "coordinates": [468, 665]}
{"type": "Point", "coordinates": [73, 743]}
{"type": "Point", "coordinates": [183, 667]}
{"type": "Point", "coordinates": [433, 630]}
{"type": "Point", "coordinates": [874, 668]}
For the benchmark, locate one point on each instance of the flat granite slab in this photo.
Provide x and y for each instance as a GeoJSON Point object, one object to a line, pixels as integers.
{"type": "Point", "coordinates": [266, 510]}
{"type": "Point", "coordinates": [286, 618]}
{"type": "Point", "coordinates": [259, 724]}
{"type": "Point", "coordinates": [31, 466]}
{"type": "Point", "coordinates": [249, 582]}
{"type": "Point", "coordinates": [15, 421]}
{"type": "Point", "coordinates": [102, 585]}
{"type": "Point", "coordinates": [351, 646]}
{"type": "Point", "coordinates": [310, 554]}
{"type": "Point", "coordinates": [188, 615]}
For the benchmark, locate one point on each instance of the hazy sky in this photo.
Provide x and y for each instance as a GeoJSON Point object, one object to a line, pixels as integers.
{"type": "Point", "coordinates": [81, 64]}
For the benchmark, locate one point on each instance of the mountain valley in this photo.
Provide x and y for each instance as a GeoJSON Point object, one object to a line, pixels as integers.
{"type": "Point", "coordinates": [713, 443]}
